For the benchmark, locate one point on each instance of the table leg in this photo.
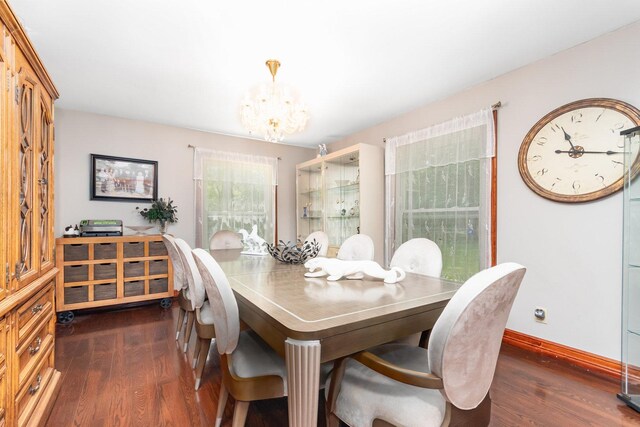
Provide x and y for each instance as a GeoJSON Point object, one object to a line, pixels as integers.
{"type": "Point", "coordinates": [303, 379]}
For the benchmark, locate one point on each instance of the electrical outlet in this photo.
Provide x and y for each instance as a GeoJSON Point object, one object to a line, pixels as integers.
{"type": "Point", "coordinates": [540, 314]}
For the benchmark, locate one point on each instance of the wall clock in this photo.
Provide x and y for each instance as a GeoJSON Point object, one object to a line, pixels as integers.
{"type": "Point", "coordinates": [575, 153]}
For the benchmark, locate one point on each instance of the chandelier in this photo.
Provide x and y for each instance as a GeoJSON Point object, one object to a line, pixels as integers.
{"type": "Point", "coordinates": [272, 111]}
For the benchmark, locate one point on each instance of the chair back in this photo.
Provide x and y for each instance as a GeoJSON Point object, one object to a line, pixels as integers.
{"type": "Point", "coordinates": [322, 239]}
{"type": "Point", "coordinates": [420, 256]}
{"type": "Point", "coordinates": [356, 248]}
{"type": "Point", "coordinates": [465, 341]}
{"type": "Point", "coordinates": [196, 290]}
{"type": "Point", "coordinates": [226, 318]}
{"type": "Point", "coordinates": [225, 239]}
{"type": "Point", "coordinates": [179, 280]}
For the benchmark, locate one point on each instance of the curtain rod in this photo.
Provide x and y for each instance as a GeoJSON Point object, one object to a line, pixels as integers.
{"type": "Point", "coordinates": [193, 146]}
{"type": "Point", "coordinates": [493, 107]}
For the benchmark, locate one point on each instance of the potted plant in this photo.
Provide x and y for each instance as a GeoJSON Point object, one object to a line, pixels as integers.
{"type": "Point", "coordinates": [161, 211]}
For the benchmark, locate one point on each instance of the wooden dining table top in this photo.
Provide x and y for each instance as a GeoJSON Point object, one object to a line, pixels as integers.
{"type": "Point", "coordinates": [278, 302]}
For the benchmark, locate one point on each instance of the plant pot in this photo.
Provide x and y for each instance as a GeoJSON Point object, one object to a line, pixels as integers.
{"type": "Point", "coordinates": [162, 226]}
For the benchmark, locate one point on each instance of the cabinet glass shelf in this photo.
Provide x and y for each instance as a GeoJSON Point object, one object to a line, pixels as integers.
{"type": "Point", "coordinates": [350, 187]}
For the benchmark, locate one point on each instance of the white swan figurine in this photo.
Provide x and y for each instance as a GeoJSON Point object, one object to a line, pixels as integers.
{"type": "Point", "coordinates": [255, 244]}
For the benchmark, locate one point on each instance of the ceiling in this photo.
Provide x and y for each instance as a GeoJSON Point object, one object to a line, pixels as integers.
{"type": "Point", "coordinates": [356, 63]}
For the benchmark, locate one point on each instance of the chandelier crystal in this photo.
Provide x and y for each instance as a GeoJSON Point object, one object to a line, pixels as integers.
{"type": "Point", "coordinates": [272, 110]}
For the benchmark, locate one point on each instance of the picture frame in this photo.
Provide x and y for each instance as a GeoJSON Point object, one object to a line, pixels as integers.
{"type": "Point", "coordinates": [123, 179]}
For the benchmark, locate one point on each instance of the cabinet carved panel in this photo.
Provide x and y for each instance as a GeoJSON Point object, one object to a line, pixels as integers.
{"type": "Point", "coordinates": [44, 178]}
{"type": "Point", "coordinates": [28, 378]}
{"type": "Point", "coordinates": [25, 153]}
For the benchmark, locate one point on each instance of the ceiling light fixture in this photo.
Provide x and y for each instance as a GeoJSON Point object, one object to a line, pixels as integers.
{"type": "Point", "coordinates": [272, 110]}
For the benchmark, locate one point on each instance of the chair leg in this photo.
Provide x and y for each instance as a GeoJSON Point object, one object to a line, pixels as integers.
{"type": "Point", "coordinates": [222, 402]}
{"type": "Point", "coordinates": [337, 374]}
{"type": "Point", "coordinates": [240, 413]}
{"type": "Point", "coordinates": [196, 353]}
{"type": "Point", "coordinates": [424, 339]}
{"type": "Point", "coordinates": [191, 316]}
{"type": "Point", "coordinates": [333, 421]}
{"type": "Point", "coordinates": [181, 314]}
{"type": "Point", "coordinates": [205, 344]}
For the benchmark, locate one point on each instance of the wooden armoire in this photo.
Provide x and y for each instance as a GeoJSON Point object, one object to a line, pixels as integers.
{"type": "Point", "coordinates": [28, 378]}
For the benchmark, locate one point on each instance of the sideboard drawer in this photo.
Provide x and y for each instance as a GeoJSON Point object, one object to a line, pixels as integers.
{"type": "Point", "coordinates": [104, 291]}
{"type": "Point", "coordinates": [32, 349]}
{"type": "Point", "coordinates": [104, 271]}
{"type": "Point", "coordinates": [134, 269]}
{"type": "Point", "coordinates": [133, 249]}
{"type": "Point", "coordinates": [28, 396]}
{"type": "Point", "coordinates": [104, 251]}
{"type": "Point", "coordinates": [76, 252]}
{"type": "Point", "coordinates": [158, 286]}
{"type": "Point", "coordinates": [157, 249]}
{"type": "Point", "coordinates": [159, 266]}
{"type": "Point", "coordinates": [134, 289]}
{"type": "Point", "coordinates": [76, 294]}
{"type": "Point", "coordinates": [76, 273]}
{"type": "Point", "coordinates": [31, 313]}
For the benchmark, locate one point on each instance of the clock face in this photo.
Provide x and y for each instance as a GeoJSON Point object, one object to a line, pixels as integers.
{"type": "Point", "coordinates": [576, 153]}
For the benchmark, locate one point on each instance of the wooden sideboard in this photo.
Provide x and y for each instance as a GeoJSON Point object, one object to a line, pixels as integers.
{"type": "Point", "coordinates": [104, 271]}
{"type": "Point", "coordinates": [28, 379]}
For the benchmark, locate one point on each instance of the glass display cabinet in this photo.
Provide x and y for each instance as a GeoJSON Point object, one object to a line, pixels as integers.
{"type": "Point", "coordinates": [342, 194]}
{"type": "Point", "coordinates": [630, 359]}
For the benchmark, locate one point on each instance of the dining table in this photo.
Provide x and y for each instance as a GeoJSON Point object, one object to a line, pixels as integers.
{"type": "Point", "coordinates": [309, 321]}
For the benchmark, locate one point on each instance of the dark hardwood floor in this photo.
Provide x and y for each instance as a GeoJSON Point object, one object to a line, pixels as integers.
{"type": "Point", "coordinates": [124, 368]}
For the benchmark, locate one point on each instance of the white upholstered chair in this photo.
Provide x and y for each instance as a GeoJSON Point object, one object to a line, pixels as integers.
{"type": "Point", "coordinates": [322, 239]}
{"type": "Point", "coordinates": [225, 239]}
{"type": "Point", "coordinates": [204, 326]}
{"type": "Point", "coordinates": [420, 256]}
{"type": "Point", "coordinates": [402, 385]}
{"type": "Point", "coordinates": [251, 370]}
{"type": "Point", "coordinates": [355, 248]}
{"type": "Point", "coordinates": [181, 285]}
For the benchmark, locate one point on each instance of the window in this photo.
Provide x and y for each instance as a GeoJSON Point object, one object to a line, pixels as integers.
{"type": "Point", "coordinates": [439, 186]}
{"type": "Point", "coordinates": [234, 191]}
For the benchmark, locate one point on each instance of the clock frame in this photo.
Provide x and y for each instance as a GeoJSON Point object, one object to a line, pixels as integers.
{"type": "Point", "coordinates": [631, 112]}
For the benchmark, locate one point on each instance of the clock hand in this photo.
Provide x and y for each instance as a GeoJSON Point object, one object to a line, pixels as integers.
{"type": "Point", "coordinates": [590, 152]}
{"type": "Point", "coordinates": [567, 138]}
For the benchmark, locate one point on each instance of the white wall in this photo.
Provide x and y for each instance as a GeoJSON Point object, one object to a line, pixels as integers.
{"type": "Point", "coordinates": [80, 134]}
{"type": "Point", "coordinates": [572, 251]}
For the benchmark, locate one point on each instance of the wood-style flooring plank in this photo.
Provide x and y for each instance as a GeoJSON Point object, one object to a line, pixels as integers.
{"type": "Point", "coordinates": [119, 393]}
{"type": "Point", "coordinates": [90, 409]}
{"type": "Point", "coordinates": [124, 368]}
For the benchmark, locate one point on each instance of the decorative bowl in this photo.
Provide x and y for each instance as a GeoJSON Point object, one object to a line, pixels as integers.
{"type": "Point", "coordinates": [292, 253]}
{"type": "Point", "coordinates": [139, 229]}
{"type": "Point", "coordinates": [342, 182]}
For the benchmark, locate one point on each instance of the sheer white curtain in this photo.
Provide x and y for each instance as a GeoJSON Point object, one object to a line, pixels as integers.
{"type": "Point", "coordinates": [438, 186]}
{"type": "Point", "coordinates": [233, 191]}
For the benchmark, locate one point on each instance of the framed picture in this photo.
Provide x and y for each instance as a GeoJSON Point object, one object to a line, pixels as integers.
{"type": "Point", "coordinates": [123, 179]}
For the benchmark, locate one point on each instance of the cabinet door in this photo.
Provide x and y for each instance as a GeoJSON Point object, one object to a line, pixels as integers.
{"type": "Point", "coordinates": [44, 156]}
{"type": "Point", "coordinates": [24, 175]}
{"type": "Point", "coordinates": [6, 44]}
{"type": "Point", "coordinates": [342, 183]}
{"type": "Point", "coordinates": [309, 200]}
